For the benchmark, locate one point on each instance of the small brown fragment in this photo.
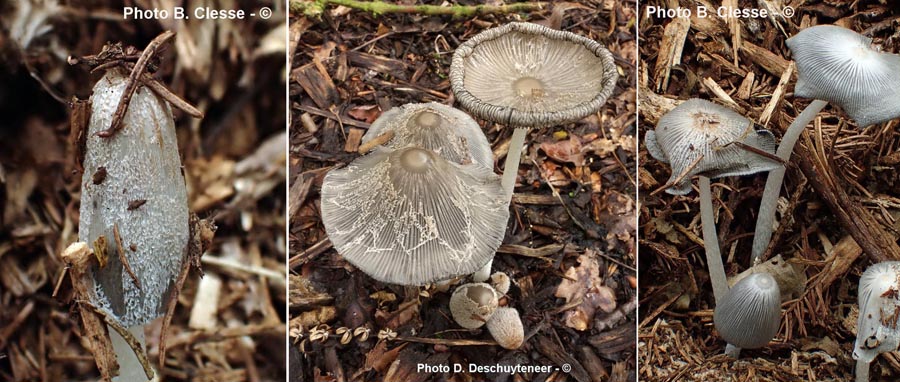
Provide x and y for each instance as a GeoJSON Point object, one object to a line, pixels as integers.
{"type": "Point", "coordinates": [100, 251]}
{"type": "Point", "coordinates": [132, 247]}
{"type": "Point", "coordinates": [122, 258]}
{"type": "Point", "coordinates": [78, 126]}
{"type": "Point", "coordinates": [375, 142]}
{"type": "Point", "coordinates": [99, 175]}
{"type": "Point", "coordinates": [135, 204]}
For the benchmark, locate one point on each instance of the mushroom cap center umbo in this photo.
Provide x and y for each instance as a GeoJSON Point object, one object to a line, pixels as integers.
{"type": "Point", "coordinates": [706, 122]}
{"type": "Point", "coordinates": [529, 87]}
{"type": "Point", "coordinates": [427, 118]}
{"type": "Point", "coordinates": [415, 159]}
{"type": "Point", "coordinates": [480, 294]}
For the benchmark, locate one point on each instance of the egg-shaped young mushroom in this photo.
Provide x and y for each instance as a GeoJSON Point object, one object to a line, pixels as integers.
{"type": "Point", "coordinates": [527, 75]}
{"type": "Point", "coordinates": [472, 305]}
{"type": "Point", "coordinates": [837, 65]}
{"type": "Point", "coordinates": [749, 314]}
{"type": "Point", "coordinates": [877, 327]}
{"type": "Point", "coordinates": [506, 328]}
{"type": "Point", "coordinates": [699, 137]}
{"type": "Point", "coordinates": [447, 131]}
{"type": "Point", "coordinates": [410, 217]}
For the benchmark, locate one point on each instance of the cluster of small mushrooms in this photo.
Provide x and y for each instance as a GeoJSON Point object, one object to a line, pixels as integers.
{"type": "Point", "coordinates": [425, 205]}
{"type": "Point", "coordinates": [698, 137]}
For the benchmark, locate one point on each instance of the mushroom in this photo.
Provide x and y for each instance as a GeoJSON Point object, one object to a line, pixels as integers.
{"type": "Point", "coordinates": [699, 137]}
{"type": "Point", "coordinates": [749, 314]}
{"type": "Point", "coordinates": [500, 281]}
{"type": "Point", "coordinates": [506, 328]}
{"type": "Point", "coordinates": [836, 65]}
{"type": "Point", "coordinates": [411, 217]}
{"type": "Point", "coordinates": [140, 202]}
{"type": "Point", "coordinates": [527, 75]}
{"type": "Point", "coordinates": [472, 305]}
{"type": "Point", "coordinates": [447, 131]}
{"type": "Point", "coordinates": [877, 327]}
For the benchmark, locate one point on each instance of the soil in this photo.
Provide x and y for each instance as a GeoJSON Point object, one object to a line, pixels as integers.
{"type": "Point", "coordinates": [677, 340]}
{"type": "Point", "coordinates": [350, 66]}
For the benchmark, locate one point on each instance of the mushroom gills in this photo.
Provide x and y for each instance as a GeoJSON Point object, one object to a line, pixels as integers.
{"type": "Point", "coordinates": [749, 314]}
{"type": "Point", "coordinates": [879, 300]}
{"type": "Point", "coordinates": [838, 65]}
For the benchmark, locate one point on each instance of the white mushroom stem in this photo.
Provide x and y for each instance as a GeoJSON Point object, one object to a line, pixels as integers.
{"type": "Point", "coordinates": [130, 369]}
{"type": "Point", "coordinates": [862, 371]}
{"type": "Point", "coordinates": [732, 351]}
{"type": "Point", "coordinates": [513, 156]}
{"type": "Point", "coordinates": [711, 241]}
{"type": "Point", "coordinates": [769, 200]}
{"type": "Point", "coordinates": [484, 273]}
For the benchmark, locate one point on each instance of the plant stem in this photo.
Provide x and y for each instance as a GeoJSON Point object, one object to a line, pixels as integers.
{"type": "Point", "coordinates": [380, 7]}
{"type": "Point", "coordinates": [711, 242]}
{"type": "Point", "coordinates": [769, 201]}
{"type": "Point", "coordinates": [130, 369]}
{"type": "Point", "coordinates": [483, 274]}
{"type": "Point", "coordinates": [513, 156]}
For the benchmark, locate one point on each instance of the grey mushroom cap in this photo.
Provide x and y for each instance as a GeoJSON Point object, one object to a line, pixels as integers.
{"type": "Point", "coordinates": [528, 75]}
{"type": "Point", "coordinates": [701, 130]}
{"type": "Point", "coordinates": [879, 297]}
{"type": "Point", "coordinates": [838, 65]}
{"type": "Point", "coordinates": [411, 217]}
{"type": "Point", "coordinates": [447, 131]}
{"type": "Point", "coordinates": [473, 304]}
{"type": "Point", "coordinates": [749, 315]}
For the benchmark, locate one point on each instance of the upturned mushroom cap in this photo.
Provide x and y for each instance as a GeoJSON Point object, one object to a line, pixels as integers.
{"type": "Point", "coordinates": [750, 313]}
{"type": "Point", "coordinates": [447, 131]}
{"type": "Point", "coordinates": [506, 328]}
{"type": "Point", "coordinates": [701, 128]}
{"type": "Point", "coordinates": [528, 75]}
{"type": "Point", "coordinates": [838, 65]}
{"type": "Point", "coordinates": [472, 305]}
{"type": "Point", "coordinates": [879, 296]}
{"type": "Point", "coordinates": [410, 217]}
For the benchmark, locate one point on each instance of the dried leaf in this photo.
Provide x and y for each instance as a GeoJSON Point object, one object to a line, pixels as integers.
{"type": "Point", "coordinates": [565, 151]}
{"type": "Point", "coordinates": [366, 113]}
{"type": "Point", "coordinates": [583, 283]}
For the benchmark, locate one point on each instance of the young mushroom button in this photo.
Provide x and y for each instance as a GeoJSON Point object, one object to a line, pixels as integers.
{"type": "Point", "coordinates": [411, 217]}
{"type": "Point", "coordinates": [877, 328]}
{"type": "Point", "coordinates": [449, 132]}
{"type": "Point", "coordinates": [750, 313]}
{"type": "Point", "coordinates": [527, 75]}
{"type": "Point", "coordinates": [506, 328]}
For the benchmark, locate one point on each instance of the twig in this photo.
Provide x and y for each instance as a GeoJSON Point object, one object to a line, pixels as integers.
{"type": "Point", "coordinates": [78, 256]}
{"type": "Point", "coordinates": [201, 235]}
{"type": "Point", "coordinates": [135, 345]}
{"type": "Point", "coordinates": [133, 80]}
{"type": "Point", "coordinates": [680, 176]}
{"type": "Point", "coordinates": [377, 141]}
{"type": "Point", "coordinates": [380, 7]}
{"type": "Point", "coordinates": [121, 252]}
{"type": "Point", "coordinates": [166, 94]}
